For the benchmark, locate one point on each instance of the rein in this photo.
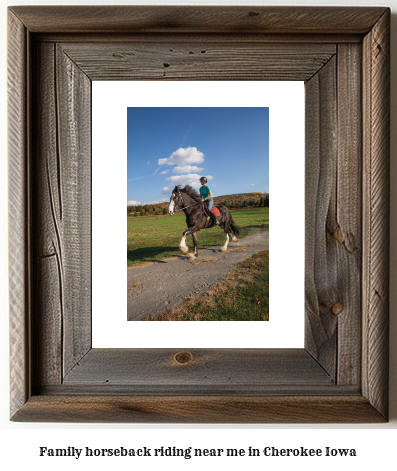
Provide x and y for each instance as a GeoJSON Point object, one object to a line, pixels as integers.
{"type": "Point", "coordinates": [181, 209]}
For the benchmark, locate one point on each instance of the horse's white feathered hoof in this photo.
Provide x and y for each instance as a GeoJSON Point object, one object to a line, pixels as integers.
{"type": "Point", "coordinates": [234, 239]}
{"type": "Point", "coordinates": [184, 250]}
{"type": "Point", "coordinates": [223, 249]}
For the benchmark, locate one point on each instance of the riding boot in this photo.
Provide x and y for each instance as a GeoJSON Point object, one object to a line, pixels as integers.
{"type": "Point", "coordinates": [216, 222]}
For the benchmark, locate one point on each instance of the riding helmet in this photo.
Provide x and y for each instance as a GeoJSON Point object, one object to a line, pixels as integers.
{"type": "Point", "coordinates": [204, 178]}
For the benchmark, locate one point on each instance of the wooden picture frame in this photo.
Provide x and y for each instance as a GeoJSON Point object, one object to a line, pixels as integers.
{"type": "Point", "coordinates": [342, 54]}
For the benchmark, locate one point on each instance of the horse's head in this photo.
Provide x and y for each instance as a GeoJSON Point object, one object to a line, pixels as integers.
{"type": "Point", "coordinates": [175, 201]}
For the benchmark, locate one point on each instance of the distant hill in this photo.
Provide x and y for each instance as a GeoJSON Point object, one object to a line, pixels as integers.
{"type": "Point", "coordinates": [237, 200]}
{"type": "Point", "coordinates": [241, 199]}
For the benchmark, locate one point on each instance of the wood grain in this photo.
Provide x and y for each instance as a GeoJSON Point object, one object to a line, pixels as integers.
{"type": "Point", "coordinates": [74, 125]}
{"type": "Point", "coordinates": [321, 264]}
{"type": "Point", "coordinates": [333, 215]}
{"type": "Point", "coordinates": [18, 181]}
{"type": "Point", "coordinates": [347, 226]}
{"type": "Point", "coordinates": [228, 369]}
{"type": "Point", "coordinates": [198, 19]}
{"type": "Point", "coordinates": [204, 60]}
{"type": "Point", "coordinates": [62, 205]}
{"type": "Point", "coordinates": [48, 294]}
{"type": "Point", "coordinates": [341, 375]}
{"type": "Point", "coordinates": [199, 409]}
{"type": "Point", "coordinates": [376, 92]}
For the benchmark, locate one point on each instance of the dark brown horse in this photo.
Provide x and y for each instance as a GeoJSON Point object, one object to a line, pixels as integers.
{"type": "Point", "coordinates": [188, 200]}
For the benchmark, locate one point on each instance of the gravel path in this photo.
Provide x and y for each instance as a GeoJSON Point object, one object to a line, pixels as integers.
{"type": "Point", "coordinates": [163, 285]}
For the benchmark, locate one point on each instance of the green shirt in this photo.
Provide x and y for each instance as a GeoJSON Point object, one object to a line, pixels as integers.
{"type": "Point", "coordinates": [204, 191]}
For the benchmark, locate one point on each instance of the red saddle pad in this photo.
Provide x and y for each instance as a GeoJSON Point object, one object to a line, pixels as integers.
{"type": "Point", "coordinates": [214, 208]}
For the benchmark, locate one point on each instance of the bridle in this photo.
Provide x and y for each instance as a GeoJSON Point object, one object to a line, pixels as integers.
{"type": "Point", "coordinates": [180, 196]}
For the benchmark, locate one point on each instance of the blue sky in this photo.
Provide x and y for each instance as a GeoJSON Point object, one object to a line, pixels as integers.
{"type": "Point", "coordinates": [176, 146]}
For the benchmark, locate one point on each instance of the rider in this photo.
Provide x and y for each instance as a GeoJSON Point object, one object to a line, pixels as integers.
{"type": "Point", "coordinates": [206, 195]}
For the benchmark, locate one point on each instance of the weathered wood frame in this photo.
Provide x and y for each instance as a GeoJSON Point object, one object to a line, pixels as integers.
{"type": "Point", "coordinates": [342, 54]}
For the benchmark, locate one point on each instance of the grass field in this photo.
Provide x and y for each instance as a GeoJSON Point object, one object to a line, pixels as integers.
{"type": "Point", "coordinates": [243, 296]}
{"type": "Point", "coordinates": [155, 238]}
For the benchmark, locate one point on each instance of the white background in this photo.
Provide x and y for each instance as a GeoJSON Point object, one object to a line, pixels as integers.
{"type": "Point", "coordinates": [286, 111]}
{"type": "Point", "coordinates": [19, 442]}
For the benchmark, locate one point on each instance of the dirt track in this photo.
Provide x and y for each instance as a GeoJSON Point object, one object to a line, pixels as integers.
{"type": "Point", "coordinates": [154, 288]}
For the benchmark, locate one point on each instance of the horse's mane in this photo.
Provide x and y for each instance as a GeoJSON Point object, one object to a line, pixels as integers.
{"type": "Point", "coordinates": [190, 192]}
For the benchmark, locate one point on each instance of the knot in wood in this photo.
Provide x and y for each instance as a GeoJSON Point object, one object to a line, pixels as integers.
{"type": "Point", "coordinates": [337, 308]}
{"type": "Point", "coordinates": [183, 358]}
{"type": "Point", "coordinates": [338, 235]}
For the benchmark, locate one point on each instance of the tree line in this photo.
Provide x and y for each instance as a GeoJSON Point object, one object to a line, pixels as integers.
{"type": "Point", "coordinates": [243, 201]}
{"type": "Point", "coordinates": [237, 201]}
{"type": "Point", "coordinates": [146, 210]}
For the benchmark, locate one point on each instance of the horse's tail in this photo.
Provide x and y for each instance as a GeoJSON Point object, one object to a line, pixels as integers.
{"type": "Point", "coordinates": [237, 230]}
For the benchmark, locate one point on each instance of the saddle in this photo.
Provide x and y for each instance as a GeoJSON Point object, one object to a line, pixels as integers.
{"type": "Point", "coordinates": [214, 208]}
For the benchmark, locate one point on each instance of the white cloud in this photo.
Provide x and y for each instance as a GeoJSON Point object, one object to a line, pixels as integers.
{"type": "Point", "coordinates": [252, 184]}
{"type": "Point", "coordinates": [183, 156]}
{"type": "Point", "coordinates": [187, 169]}
{"type": "Point", "coordinates": [165, 171]}
{"type": "Point", "coordinates": [148, 162]}
{"type": "Point", "coordinates": [192, 179]}
{"type": "Point", "coordinates": [133, 203]}
{"type": "Point", "coordinates": [167, 190]}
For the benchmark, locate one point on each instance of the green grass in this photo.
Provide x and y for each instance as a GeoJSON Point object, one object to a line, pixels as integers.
{"type": "Point", "coordinates": [243, 296]}
{"type": "Point", "coordinates": [248, 301]}
{"type": "Point", "coordinates": [155, 238]}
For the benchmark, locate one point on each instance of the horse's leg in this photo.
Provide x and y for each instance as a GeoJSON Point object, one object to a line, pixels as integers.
{"type": "Point", "coordinates": [195, 253]}
{"type": "Point", "coordinates": [233, 237]}
{"type": "Point", "coordinates": [182, 244]}
{"type": "Point", "coordinates": [224, 247]}
{"type": "Point", "coordinates": [229, 231]}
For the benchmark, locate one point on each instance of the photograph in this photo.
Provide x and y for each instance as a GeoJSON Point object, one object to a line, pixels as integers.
{"type": "Point", "coordinates": [167, 135]}
{"type": "Point", "coordinates": [198, 213]}
{"type": "Point", "coordinates": [72, 87]}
